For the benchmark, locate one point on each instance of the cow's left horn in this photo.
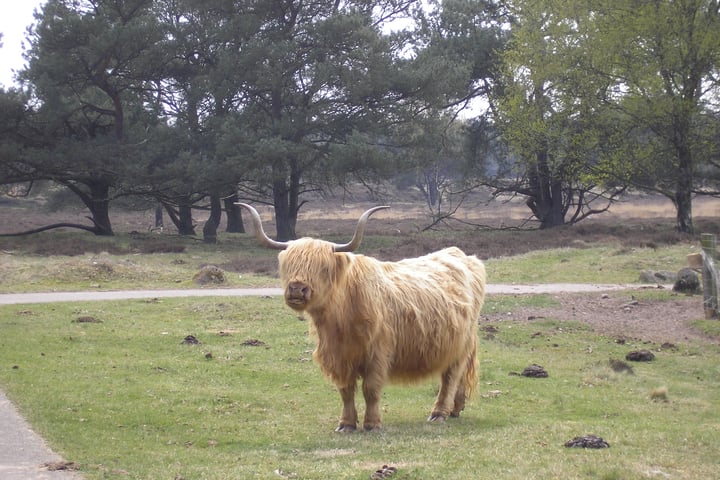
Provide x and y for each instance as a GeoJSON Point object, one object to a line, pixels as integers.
{"type": "Point", "coordinates": [259, 232]}
{"type": "Point", "coordinates": [359, 230]}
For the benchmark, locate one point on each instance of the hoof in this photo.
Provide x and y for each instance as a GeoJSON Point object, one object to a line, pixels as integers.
{"type": "Point", "coordinates": [344, 428]}
{"type": "Point", "coordinates": [370, 428]}
{"type": "Point", "coordinates": [437, 418]}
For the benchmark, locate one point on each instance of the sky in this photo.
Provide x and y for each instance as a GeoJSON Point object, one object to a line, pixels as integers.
{"type": "Point", "coordinates": [15, 16]}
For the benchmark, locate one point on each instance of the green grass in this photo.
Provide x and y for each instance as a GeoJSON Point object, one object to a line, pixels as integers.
{"type": "Point", "coordinates": [125, 398]}
{"type": "Point", "coordinates": [598, 264]}
{"type": "Point", "coordinates": [709, 327]}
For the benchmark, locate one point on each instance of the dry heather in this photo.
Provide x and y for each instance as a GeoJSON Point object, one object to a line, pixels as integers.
{"type": "Point", "coordinates": [489, 230]}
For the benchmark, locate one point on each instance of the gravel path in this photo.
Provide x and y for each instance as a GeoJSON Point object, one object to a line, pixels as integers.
{"type": "Point", "coordinates": [23, 453]}
{"type": "Point", "coordinates": [492, 289]}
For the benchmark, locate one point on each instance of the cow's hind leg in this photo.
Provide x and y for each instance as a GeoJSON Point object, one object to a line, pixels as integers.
{"type": "Point", "coordinates": [349, 417]}
{"type": "Point", "coordinates": [446, 402]}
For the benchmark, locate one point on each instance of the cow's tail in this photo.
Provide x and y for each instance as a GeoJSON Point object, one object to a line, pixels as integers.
{"type": "Point", "coordinates": [471, 372]}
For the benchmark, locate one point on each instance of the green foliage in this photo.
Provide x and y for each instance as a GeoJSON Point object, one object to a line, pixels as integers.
{"type": "Point", "coordinates": [549, 112]}
{"type": "Point", "coordinates": [12, 117]}
{"type": "Point", "coordinates": [460, 41]}
{"type": "Point", "coordinates": [326, 92]}
{"type": "Point", "coordinates": [669, 80]}
{"type": "Point", "coordinates": [607, 93]}
{"type": "Point", "coordinates": [123, 396]}
{"type": "Point", "coordinates": [85, 116]}
{"type": "Point", "coordinates": [178, 101]}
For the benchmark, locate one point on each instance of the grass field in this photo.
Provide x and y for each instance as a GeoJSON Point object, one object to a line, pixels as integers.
{"type": "Point", "coordinates": [113, 388]}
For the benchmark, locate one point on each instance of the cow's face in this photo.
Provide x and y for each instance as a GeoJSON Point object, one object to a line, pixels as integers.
{"type": "Point", "coordinates": [307, 271]}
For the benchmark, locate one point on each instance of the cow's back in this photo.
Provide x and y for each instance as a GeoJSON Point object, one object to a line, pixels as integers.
{"type": "Point", "coordinates": [432, 304]}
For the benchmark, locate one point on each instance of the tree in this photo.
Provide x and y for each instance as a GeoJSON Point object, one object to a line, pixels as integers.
{"type": "Point", "coordinates": [433, 150]}
{"type": "Point", "coordinates": [456, 48]}
{"type": "Point", "coordinates": [183, 100]}
{"type": "Point", "coordinates": [663, 58]}
{"type": "Point", "coordinates": [626, 87]}
{"type": "Point", "coordinates": [546, 114]}
{"type": "Point", "coordinates": [200, 86]}
{"type": "Point", "coordinates": [88, 62]}
{"type": "Point", "coordinates": [459, 43]}
{"type": "Point", "coordinates": [324, 78]}
{"type": "Point", "coordinates": [14, 136]}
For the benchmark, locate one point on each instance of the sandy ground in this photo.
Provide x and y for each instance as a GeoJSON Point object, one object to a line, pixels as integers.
{"type": "Point", "coordinates": [618, 314]}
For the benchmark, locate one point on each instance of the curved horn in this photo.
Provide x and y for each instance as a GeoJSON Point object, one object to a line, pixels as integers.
{"type": "Point", "coordinates": [259, 232]}
{"type": "Point", "coordinates": [359, 230]}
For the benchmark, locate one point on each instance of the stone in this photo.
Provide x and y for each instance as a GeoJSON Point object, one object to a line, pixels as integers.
{"type": "Point", "coordinates": [687, 281]}
{"type": "Point", "coordinates": [658, 276]}
{"type": "Point", "coordinates": [209, 274]}
{"type": "Point", "coordinates": [587, 441]}
{"type": "Point", "coordinates": [640, 356]}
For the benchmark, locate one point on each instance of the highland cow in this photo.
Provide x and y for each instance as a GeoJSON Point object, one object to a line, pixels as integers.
{"type": "Point", "coordinates": [385, 321]}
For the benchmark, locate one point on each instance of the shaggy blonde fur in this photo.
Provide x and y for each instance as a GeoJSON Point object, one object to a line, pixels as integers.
{"type": "Point", "coordinates": [388, 321]}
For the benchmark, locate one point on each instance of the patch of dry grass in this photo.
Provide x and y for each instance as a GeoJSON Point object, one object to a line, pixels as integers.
{"type": "Point", "coordinates": [598, 250]}
{"type": "Point", "coordinates": [77, 261]}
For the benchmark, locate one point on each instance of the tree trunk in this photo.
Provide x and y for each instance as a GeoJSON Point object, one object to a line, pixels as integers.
{"type": "Point", "coordinates": [181, 218]}
{"type": "Point", "coordinates": [159, 216]}
{"type": "Point", "coordinates": [285, 218]}
{"type": "Point", "coordinates": [286, 199]}
{"type": "Point", "coordinates": [185, 226]}
{"type": "Point", "coordinates": [97, 200]}
{"type": "Point", "coordinates": [684, 185]}
{"type": "Point", "coordinates": [546, 194]}
{"type": "Point", "coordinates": [234, 216]}
{"type": "Point", "coordinates": [428, 181]}
{"type": "Point", "coordinates": [683, 201]}
{"type": "Point", "coordinates": [213, 222]}
{"type": "Point", "coordinates": [556, 214]}
{"type": "Point", "coordinates": [101, 217]}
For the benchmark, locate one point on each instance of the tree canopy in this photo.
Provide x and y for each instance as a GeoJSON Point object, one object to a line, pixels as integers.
{"type": "Point", "coordinates": [187, 103]}
{"type": "Point", "coordinates": [602, 95]}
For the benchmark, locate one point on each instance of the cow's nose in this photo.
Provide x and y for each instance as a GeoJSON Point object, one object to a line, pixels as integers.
{"type": "Point", "coordinates": [298, 290]}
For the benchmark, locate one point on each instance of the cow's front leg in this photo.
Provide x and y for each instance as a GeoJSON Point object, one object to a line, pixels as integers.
{"type": "Point", "coordinates": [459, 400]}
{"type": "Point", "coordinates": [372, 390]}
{"type": "Point", "coordinates": [349, 417]}
{"type": "Point", "coordinates": [446, 403]}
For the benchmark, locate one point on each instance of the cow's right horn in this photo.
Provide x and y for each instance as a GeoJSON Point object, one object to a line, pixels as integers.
{"type": "Point", "coordinates": [359, 230]}
{"type": "Point", "coordinates": [259, 232]}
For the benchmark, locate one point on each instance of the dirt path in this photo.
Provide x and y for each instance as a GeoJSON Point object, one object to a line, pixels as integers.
{"type": "Point", "coordinates": [52, 297]}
